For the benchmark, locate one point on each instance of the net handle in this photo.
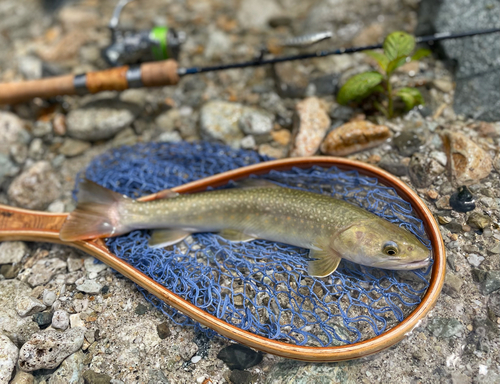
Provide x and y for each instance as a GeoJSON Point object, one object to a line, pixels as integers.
{"type": "Point", "coordinates": [19, 224]}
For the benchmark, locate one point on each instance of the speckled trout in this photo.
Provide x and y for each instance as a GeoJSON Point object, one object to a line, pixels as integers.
{"type": "Point", "coordinates": [331, 229]}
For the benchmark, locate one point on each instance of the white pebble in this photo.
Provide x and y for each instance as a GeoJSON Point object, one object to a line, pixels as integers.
{"type": "Point", "coordinates": [48, 297]}
{"type": "Point", "coordinates": [76, 321]}
{"type": "Point", "coordinates": [28, 306]}
{"type": "Point", "coordinates": [195, 359]}
{"type": "Point", "coordinates": [60, 319]}
{"type": "Point", "coordinates": [483, 369]}
{"type": "Point", "coordinates": [475, 260]}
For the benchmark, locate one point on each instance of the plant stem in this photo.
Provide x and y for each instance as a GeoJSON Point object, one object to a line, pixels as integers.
{"type": "Point", "coordinates": [390, 110]}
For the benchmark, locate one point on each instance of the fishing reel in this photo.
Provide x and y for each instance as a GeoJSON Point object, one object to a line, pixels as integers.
{"type": "Point", "coordinates": [134, 47]}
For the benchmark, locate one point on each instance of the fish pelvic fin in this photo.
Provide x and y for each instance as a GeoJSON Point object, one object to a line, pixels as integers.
{"type": "Point", "coordinates": [97, 214]}
{"type": "Point", "coordinates": [234, 236]}
{"type": "Point", "coordinates": [323, 263]}
{"type": "Point", "coordinates": [165, 237]}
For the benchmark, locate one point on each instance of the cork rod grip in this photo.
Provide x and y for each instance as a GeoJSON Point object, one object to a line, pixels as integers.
{"type": "Point", "coordinates": [153, 74]}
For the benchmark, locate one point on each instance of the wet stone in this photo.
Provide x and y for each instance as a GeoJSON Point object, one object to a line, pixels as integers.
{"type": "Point", "coordinates": [354, 137]}
{"type": "Point", "coordinates": [452, 284]}
{"type": "Point", "coordinates": [163, 330]}
{"type": "Point", "coordinates": [141, 309]}
{"type": "Point", "coordinates": [445, 327]}
{"type": "Point", "coordinates": [92, 377]}
{"type": "Point", "coordinates": [454, 227]}
{"type": "Point", "coordinates": [43, 319]}
{"type": "Point", "coordinates": [241, 377]}
{"type": "Point", "coordinates": [49, 348]}
{"type": "Point", "coordinates": [392, 164]}
{"type": "Point", "coordinates": [8, 358]}
{"type": "Point", "coordinates": [463, 200]}
{"type": "Point", "coordinates": [475, 260]}
{"type": "Point", "coordinates": [477, 220]}
{"type": "Point", "coordinates": [419, 171]}
{"type": "Point", "coordinates": [407, 142]}
{"type": "Point", "coordinates": [237, 356]}
{"type": "Point", "coordinates": [491, 282]}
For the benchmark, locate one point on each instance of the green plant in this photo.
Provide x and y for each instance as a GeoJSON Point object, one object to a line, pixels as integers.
{"type": "Point", "coordinates": [398, 47]}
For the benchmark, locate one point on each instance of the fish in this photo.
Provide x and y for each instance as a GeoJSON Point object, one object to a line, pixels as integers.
{"type": "Point", "coordinates": [332, 229]}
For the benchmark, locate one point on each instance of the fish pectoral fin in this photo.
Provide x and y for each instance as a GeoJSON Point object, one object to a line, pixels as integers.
{"type": "Point", "coordinates": [235, 236]}
{"type": "Point", "coordinates": [164, 237]}
{"type": "Point", "coordinates": [323, 263]}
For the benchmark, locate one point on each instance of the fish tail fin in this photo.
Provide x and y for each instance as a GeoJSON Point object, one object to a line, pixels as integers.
{"type": "Point", "coordinates": [97, 214]}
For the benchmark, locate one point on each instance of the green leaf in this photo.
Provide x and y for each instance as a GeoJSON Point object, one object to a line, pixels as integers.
{"type": "Point", "coordinates": [395, 64]}
{"type": "Point", "coordinates": [421, 53]}
{"type": "Point", "coordinates": [410, 96]}
{"type": "Point", "coordinates": [398, 44]}
{"type": "Point", "coordinates": [359, 86]}
{"type": "Point", "coordinates": [381, 59]}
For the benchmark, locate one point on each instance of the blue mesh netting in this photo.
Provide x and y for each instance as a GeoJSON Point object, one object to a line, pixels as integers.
{"type": "Point", "coordinates": [261, 286]}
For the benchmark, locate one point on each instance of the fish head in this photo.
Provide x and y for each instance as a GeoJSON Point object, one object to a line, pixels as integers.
{"type": "Point", "coordinates": [378, 243]}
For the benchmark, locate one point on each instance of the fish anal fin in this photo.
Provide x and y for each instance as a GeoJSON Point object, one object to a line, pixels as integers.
{"type": "Point", "coordinates": [235, 236]}
{"type": "Point", "coordinates": [323, 263]}
{"type": "Point", "coordinates": [164, 237]}
{"type": "Point", "coordinates": [255, 183]}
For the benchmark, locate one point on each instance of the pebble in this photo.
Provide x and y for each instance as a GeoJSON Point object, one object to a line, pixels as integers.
{"type": "Point", "coordinates": [28, 306]}
{"type": "Point", "coordinates": [392, 164]}
{"type": "Point", "coordinates": [49, 297]}
{"type": "Point", "coordinates": [237, 356]}
{"type": "Point", "coordinates": [452, 284]}
{"type": "Point", "coordinates": [282, 136]}
{"type": "Point", "coordinates": [217, 44]}
{"type": "Point", "coordinates": [73, 147]}
{"type": "Point", "coordinates": [469, 162]}
{"type": "Point", "coordinates": [163, 330]}
{"type": "Point", "coordinates": [354, 137]}
{"type": "Point", "coordinates": [491, 282]}
{"type": "Point", "coordinates": [257, 13]}
{"type": "Point", "coordinates": [23, 378]}
{"type": "Point", "coordinates": [12, 252]}
{"type": "Point", "coordinates": [19, 152]}
{"type": "Point", "coordinates": [444, 85]}
{"type": "Point", "coordinates": [43, 319]}
{"type": "Point", "coordinates": [100, 119]}
{"type": "Point", "coordinates": [195, 359]}
{"type": "Point", "coordinates": [70, 370]}
{"type": "Point", "coordinates": [408, 142]}
{"type": "Point", "coordinates": [75, 320]}
{"type": "Point", "coordinates": [419, 171]}
{"type": "Point", "coordinates": [56, 207]}
{"type": "Point", "coordinates": [8, 358]}
{"type": "Point", "coordinates": [36, 187]}
{"type": "Point", "coordinates": [89, 286]}
{"type": "Point", "coordinates": [59, 124]}
{"type": "Point", "coordinates": [141, 309]}
{"type": "Point", "coordinates": [219, 121]}
{"type": "Point", "coordinates": [494, 304]}
{"type": "Point", "coordinates": [445, 327]}
{"type": "Point", "coordinates": [477, 220]}
{"type": "Point", "coordinates": [74, 264]}
{"type": "Point", "coordinates": [92, 266]}
{"type": "Point", "coordinates": [248, 142]}
{"type": "Point", "coordinates": [254, 122]}
{"type": "Point", "coordinates": [92, 377]}
{"type": "Point", "coordinates": [495, 249]}
{"type": "Point", "coordinates": [7, 168]}
{"type": "Point", "coordinates": [36, 149]}
{"type": "Point", "coordinates": [169, 137]}
{"type": "Point", "coordinates": [43, 270]}
{"type": "Point", "coordinates": [60, 319]}
{"type": "Point", "coordinates": [291, 80]}
{"type": "Point", "coordinates": [475, 260]}
{"type": "Point", "coordinates": [310, 126]}
{"type": "Point", "coordinates": [12, 131]}
{"type": "Point", "coordinates": [241, 377]}
{"type": "Point", "coordinates": [46, 350]}
{"type": "Point", "coordinates": [463, 200]}
{"type": "Point", "coordinates": [271, 151]}
{"type": "Point", "coordinates": [188, 351]}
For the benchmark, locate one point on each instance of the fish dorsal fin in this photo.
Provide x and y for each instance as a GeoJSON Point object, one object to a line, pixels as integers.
{"type": "Point", "coordinates": [323, 263]}
{"type": "Point", "coordinates": [235, 236]}
{"type": "Point", "coordinates": [255, 183]}
{"type": "Point", "coordinates": [164, 237]}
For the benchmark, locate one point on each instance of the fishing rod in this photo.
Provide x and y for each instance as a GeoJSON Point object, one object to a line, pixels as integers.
{"type": "Point", "coordinates": [167, 72]}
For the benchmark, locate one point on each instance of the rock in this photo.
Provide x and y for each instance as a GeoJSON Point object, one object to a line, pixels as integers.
{"type": "Point", "coordinates": [479, 221]}
{"type": "Point", "coordinates": [282, 137]}
{"type": "Point", "coordinates": [475, 260]}
{"type": "Point", "coordinates": [290, 371]}
{"type": "Point", "coordinates": [7, 168]}
{"type": "Point", "coordinates": [35, 188]}
{"type": "Point", "coordinates": [494, 304]}
{"type": "Point", "coordinates": [452, 284]}
{"type": "Point", "coordinates": [141, 309]}
{"type": "Point", "coordinates": [30, 67]}
{"type": "Point", "coordinates": [408, 142]}
{"type": "Point", "coordinates": [12, 131]}
{"type": "Point", "coordinates": [70, 371]}
{"type": "Point", "coordinates": [169, 137]}
{"type": "Point", "coordinates": [256, 14]}
{"type": "Point", "coordinates": [477, 74]}
{"type": "Point", "coordinates": [237, 356]}
{"type": "Point", "coordinates": [49, 297]}
{"type": "Point", "coordinates": [43, 319]}
{"type": "Point", "coordinates": [463, 200]}
{"type": "Point", "coordinates": [163, 330]}
{"type": "Point", "coordinates": [445, 327]}
{"type": "Point", "coordinates": [74, 264]}
{"type": "Point", "coordinates": [59, 124]}
{"type": "Point", "coordinates": [188, 351]}
{"type": "Point", "coordinates": [43, 270]}
{"type": "Point", "coordinates": [419, 171]}
{"type": "Point", "coordinates": [495, 249]}
{"type": "Point", "coordinates": [467, 161]}
{"type": "Point", "coordinates": [218, 43]}
{"type": "Point", "coordinates": [23, 378]}
{"type": "Point", "coordinates": [248, 142]}
{"type": "Point", "coordinates": [491, 282]}
{"type": "Point", "coordinates": [60, 319]}
{"type": "Point", "coordinates": [28, 305]}
{"type": "Point", "coordinates": [310, 125]}
{"type": "Point", "coordinates": [100, 119]}
{"type": "Point", "coordinates": [75, 320]}
{"type": "Point", "coordinates": [271, 151]}
{"type": "Point", "coordinates": [72, 147]}
{"type": "Point", "coordinates": [325, 85]}
{"type": "Point", "coordinates": [354, 137]}
{"type": "Point", "coordinates": [241, 377]}
{"type": "Point", "coordinates": [42, 128]}
{"type": "Point", "coordinates": [92, 267]}
{"type": "Point", "coordinates": [8, 358]}
{"type": "Point", "coordinates": [219, 121]}
{"type": "Point", "coordinates": [92, 377]}
{"type": "Point", "coordinates": [12, 252]}
{"type": "Point", "coordinates": [255, 122]}
{"type": "Point", "coordinates": [392, 163]}
{"type": "Point", "coordinates": [89, 286]}
{"type": "Point", "coordinates": [291, 79]}
{"type": "Point", "coordinates": [46, 350]}
{"type": "Point", "coordinates": [36, 149]}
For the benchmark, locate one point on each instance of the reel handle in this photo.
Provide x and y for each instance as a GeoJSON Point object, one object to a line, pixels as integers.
{"type": "Point", "coordinates": [153, 74]}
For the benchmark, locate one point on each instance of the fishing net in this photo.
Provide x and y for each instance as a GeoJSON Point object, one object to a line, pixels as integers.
{"type": "Point", "coordinates": [261, 286]}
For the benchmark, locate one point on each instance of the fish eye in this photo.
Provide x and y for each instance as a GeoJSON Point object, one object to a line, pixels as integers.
{"type": "Point", "coordinates": [390, 248]}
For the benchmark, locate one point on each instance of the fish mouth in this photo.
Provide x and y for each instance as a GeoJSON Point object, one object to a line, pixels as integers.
{"type": "Point", "coordinates": [418, 264]}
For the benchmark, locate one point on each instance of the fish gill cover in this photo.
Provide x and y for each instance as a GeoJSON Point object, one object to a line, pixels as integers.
{"type": "Point", "coordinates": [261, 286]}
